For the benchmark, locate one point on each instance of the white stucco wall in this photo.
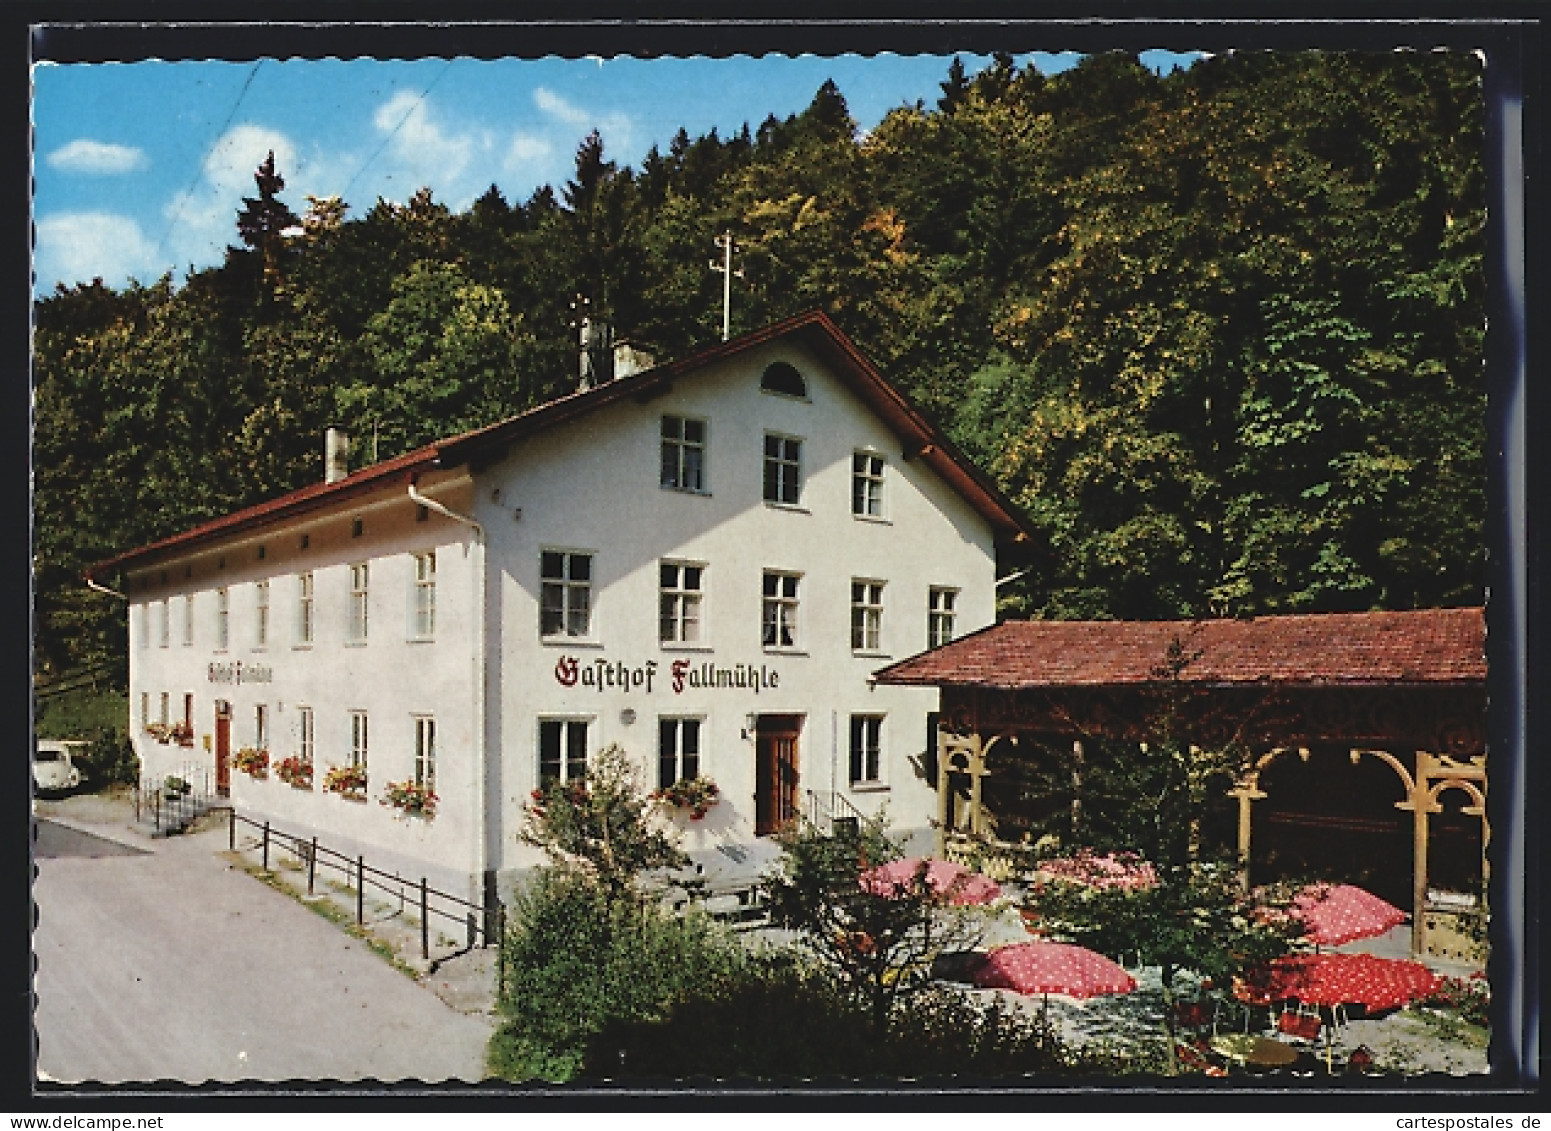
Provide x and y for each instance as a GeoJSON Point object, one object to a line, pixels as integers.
{"type": "Point", "coordinates": [594, 486]}
{"type": "Point", "coordinates": [392, 677]}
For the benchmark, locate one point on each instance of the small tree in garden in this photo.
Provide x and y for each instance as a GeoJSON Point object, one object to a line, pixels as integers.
{"type": "Point", "coordinates": [874, 938]}
{"type": "Point", "coordinates": [600, 827]}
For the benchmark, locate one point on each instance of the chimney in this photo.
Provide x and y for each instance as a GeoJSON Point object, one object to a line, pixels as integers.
{"type": "Point", "coordinates": [595, 361]}
{"type": "Point", "coordinates": [630, 359]}
{"type": "Point", "coordinates": [336, 455]}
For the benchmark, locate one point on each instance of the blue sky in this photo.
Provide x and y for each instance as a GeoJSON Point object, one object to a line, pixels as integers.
{"type": "Point", "coordinates": [139, 168]}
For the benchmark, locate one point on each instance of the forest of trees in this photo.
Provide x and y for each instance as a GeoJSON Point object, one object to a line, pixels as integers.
{"type": "Point", "coordinates": [1220, 332]}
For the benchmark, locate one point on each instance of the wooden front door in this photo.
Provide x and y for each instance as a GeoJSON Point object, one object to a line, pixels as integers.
{"type": "Point", "coordinates": [223, 750]}
{"type": "Point", "coordinates": [775, 772]}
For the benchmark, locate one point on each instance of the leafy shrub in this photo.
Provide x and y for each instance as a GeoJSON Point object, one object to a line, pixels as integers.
{"type": "Point", "coordinates": [780, 1021]}
{"type": "Point", "coordinates": [110, 759]}
{"type": "Point", "coordinates": [576, 960]}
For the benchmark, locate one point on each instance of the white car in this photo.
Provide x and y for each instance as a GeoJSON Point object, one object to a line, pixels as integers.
{"type": "Point", "coordinates": [53, 766]}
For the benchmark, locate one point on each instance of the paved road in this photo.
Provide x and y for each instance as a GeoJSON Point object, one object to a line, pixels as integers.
{"type": "Point", "coordinates": [170, 964]}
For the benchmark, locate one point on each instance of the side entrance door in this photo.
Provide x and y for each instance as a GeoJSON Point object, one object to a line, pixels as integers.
{"type": "Point", "coordinates": [775, 772]}
{"type": "Point", "coordinates": [223, 749]}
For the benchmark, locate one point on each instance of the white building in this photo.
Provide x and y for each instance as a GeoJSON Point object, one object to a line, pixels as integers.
{"type": "Point", "coordinates": [703, 562]}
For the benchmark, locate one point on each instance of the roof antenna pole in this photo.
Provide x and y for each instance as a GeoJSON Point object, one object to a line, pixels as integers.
{"type": "Point", "coordinates": [725, 242]}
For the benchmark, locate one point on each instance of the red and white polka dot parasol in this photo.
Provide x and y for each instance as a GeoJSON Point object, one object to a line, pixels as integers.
{"type": "Point", "coordinates": [1337, 914]}
{"type": "Point", "coordinates": [1052, 968]}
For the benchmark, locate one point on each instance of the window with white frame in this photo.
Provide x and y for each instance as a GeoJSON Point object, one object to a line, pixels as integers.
{"type": "Point", "coordinates": [164, 623]}
{"type": "Point", "coordinates": [304, 735]}
{"type": "Point", "coordinates": [867, 484]}
{"type": "Point", "coordinates": [783, 469]}
{"type": "Point", "coordinates": [166, 714]}
{"type": "Point", "coordinates": [188, 708]}
{"type": "Point", "coordinates": [359, 579]}
{"type": "Point", "coordinates": [304, 608]}
{"type": "Point", "coordinates": [683, 453]}
{"type": "Point", "coordinates": [562, 750]}
{"type": "Point", "coordinates": [682, 588]}
{"type": "Point", "coordinates": [940, 602]}
{"type": "Point", "coordinates": [779, 614]}
{"type": "Point", "coordinates": [143, 615]}
{"type": "Point", "coordinates": [866, 615]}
{"type": "Point", "coordinates": [565, 599]}
{"type": "Point", "coordinates": [261, 726]}
{"type": "Point", "coordinates": [188, 619]}
{"type": "Point", "coordinates": [145, 709]}
{"type": "Point", "coordinates": [866, 747]}
{"type": "Point", "coordinates": [358, 739]}
{"type": "Point", "coordinates": [678, 751]}
{"type": "Point", "coordinates": [425, 752]}
{"type": "Point", "coordinates": [422, 617]}
{"type": "Point", "coordinates": [223, 618]}
{"type": "Point", "coordinates": [261, 614]}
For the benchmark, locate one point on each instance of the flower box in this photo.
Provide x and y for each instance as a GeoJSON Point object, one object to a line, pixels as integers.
{"type": "Point", "coordinates": [693, 796]}
{"type": "Point", "coordinates": [253, 762]}
{"type": "Point", "coordinates": [347, 781]}
{"type": "Point", "coordinates": [295, 772]}
{"type": "Point", "coordinates": [411, 798]}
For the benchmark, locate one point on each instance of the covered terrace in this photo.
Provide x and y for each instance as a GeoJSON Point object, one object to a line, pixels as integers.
{"type": "Point", "coordinates": [1400, 690]}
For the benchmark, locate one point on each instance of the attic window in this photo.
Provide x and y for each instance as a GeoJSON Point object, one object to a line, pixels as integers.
{"type": "Point", "coordinates": [261, 552]}
{"type": "Point", "coordinates": [305, 539]}
{"type": "Point", "coordinates": [355, 528]}
{"type": "Point", "coordinates": [421, 514]}
{"type": "Point", "coordinates": [782, 377]}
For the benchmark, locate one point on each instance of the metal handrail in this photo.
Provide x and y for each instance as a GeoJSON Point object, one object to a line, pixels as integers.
{"type": "Point", "coordinates": [486, 922]}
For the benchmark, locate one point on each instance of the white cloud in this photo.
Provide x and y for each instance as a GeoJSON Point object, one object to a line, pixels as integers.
{"type": "Point", "coordinates": [424, 149]}
{"type": "Point", "coordinates": [83, 155]}
{"type": "Point", "coordinates": [76, 247]}
{"type": "Point", "coordinates": [616, 129]}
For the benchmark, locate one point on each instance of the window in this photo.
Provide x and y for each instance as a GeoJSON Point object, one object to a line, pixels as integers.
{"type": "Point", "coordinates": [566, 593]}
{"type": "Point", "coordinates": [939, 615]}
{"type": "Point", "coordinates": [867, 485]}
{"type": "Point", "coordinates": [166, 715]}
{"type": "Point", "coordinates": [188, 708]}
{"type": "Point", "coordinates": [423, 606]}
{"type": "Point", "coordinates": [164, 623]}
{"type": "Point", "coordinates": [261, 615]}
{"type": "Point", "coordinates": [683, 454]}
{"type": "Point", "coordinates": [678, 750]}
{"type": "Point", "coordinates": [145, 709]}
{"type": "Point", "coordinates": [680, 603]}
{"type": "Point", "coordinates": [780, 609]}
{"type": "Point", "coordinates": [562, 750]}
{"type": "Point", "coordinates": [188, 619]}
{"type": "Point", "coordinates": [261, 726]}
{"type": "Point", "coordinates": [304, 727]}
{"type": "Point", "coordinates": [358, 739]}
{"type": "Point", "coordinates": [144, 613]}
{"type": "Point", "coordinates": [358, 602]}
{"type": "Point", "coordinates": [866, 732]}
{"type": "Point", "coordinates": [783, 469]}
{"type": "Point", "coordinates": [782, 377]}
{"type": "Point", "coordinates": [223, 618]}
{"type": "Point", "coordinates": [866, 615]}
{"type": "Point", "coordinates": [304, 608]}
{"type": "Point", "coordinates": [425, 752]}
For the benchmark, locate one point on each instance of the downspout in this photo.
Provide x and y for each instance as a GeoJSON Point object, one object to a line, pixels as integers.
{"type": "Point", "coordinates": [481, 822]}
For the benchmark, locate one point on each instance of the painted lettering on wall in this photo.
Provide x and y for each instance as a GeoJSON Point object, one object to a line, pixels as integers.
{"type": "Point", "coordinates": [601, 674]}
{"type": "Point", "coordinates": [239, 672]}
{"type": "Point", "coordinates": [604, 674]}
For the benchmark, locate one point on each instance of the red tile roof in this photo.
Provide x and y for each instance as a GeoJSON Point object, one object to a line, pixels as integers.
{"type": "Point", "coordinates": [921, 438]}
{"type": "Point", "coordinates": [1428, 646]}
